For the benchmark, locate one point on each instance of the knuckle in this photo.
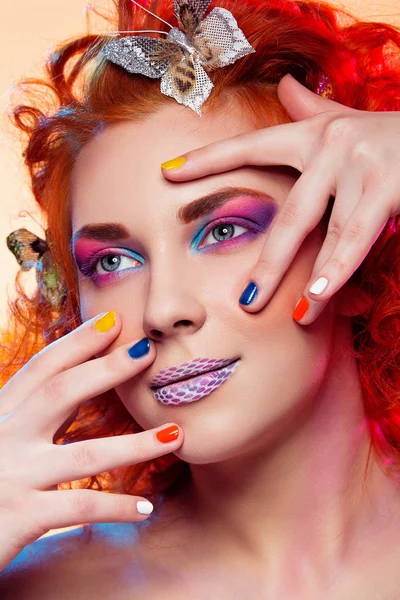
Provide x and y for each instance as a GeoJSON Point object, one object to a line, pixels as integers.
{"type": "Point", "coordinates": [340, 127]}
{"type": "Point", "coordinates": [83, 504]}
{"type": "Point", "coordinates": [144, 447]}
{"type": "Point", "coordinates": [113, 362]}
{"type": "Point", "coordinates": [265, 267]}
{"type": "Point", "coordinates": [364, 150]}
{"type": "Point", "coordinates": [355, 232]}
{"type": "Point", "coordinates": [54, 388]}
{"type": "Point", "coordinates": [123, 507]}
{"type": "Point", "coordinates": [82, 455]}
{"type": "Point", "coordinates": [289, 215]}
{"type": "Point", "coordinates": [334, 232]}
{"type": "Point", "coordinates": [338, 264]}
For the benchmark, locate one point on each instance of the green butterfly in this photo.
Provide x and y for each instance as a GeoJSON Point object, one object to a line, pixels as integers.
{"type": "Point", "coordinates": [32, 251]}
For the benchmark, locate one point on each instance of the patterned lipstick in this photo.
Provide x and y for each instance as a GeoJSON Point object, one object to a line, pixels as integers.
{"type": "Point", "coordinates": [191, 380]}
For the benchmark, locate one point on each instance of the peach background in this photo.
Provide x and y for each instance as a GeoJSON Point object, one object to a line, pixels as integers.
{"type": "Point", "coordinates": [27, 32]}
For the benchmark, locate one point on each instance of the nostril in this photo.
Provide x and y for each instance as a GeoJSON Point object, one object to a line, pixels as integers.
{"type": "Point", "coordinates": [185, 322]}
{"type": "Point", "coordinates": [156, 333]}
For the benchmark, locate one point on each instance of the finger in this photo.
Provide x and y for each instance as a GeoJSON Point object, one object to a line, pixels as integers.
{"type": "Point", "coordinates": [41, 414]}
{"type": "Point", "coordinates": [360, 233]}
{"type": "Point", "coordinates": [302, 211]}
{"type": "Point", "coordinates": [77, 346]}
{"type": "Point", "coordinates": [65, 508]}
{"type": "Point", "coordinates": [70, 462]}
{"type": "Point", "coordinates": [348, 195]}
{"type": "Point", "coordinates": [269, 146]}
{"type": "Point", "coordinates": [302, 103]}
{"type": "Point", "coordinates": [350, 189]}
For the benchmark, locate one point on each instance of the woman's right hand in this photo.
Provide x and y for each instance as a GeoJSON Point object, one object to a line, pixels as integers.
{"type": "Point", "coordinates": [49, 388]}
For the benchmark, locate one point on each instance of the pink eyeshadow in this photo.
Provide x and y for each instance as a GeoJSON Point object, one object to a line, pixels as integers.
{"type": "Point", "coordinates": [84, 248]}
{"type": "Point", "coordinates": [249, 207]}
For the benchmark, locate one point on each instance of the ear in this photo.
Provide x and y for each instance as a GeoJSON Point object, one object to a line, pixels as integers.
{"type": "Point", "coordinates": [351, 300]}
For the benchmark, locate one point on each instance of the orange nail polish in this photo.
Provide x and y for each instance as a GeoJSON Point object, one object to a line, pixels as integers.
{"type": "Point", "coordinates": [169, 434]}
{"type": "Point", "coordinates": [301, 308]}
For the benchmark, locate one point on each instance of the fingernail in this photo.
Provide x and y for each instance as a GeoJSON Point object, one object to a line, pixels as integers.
{"type": "Point", "coordinates": [301, 308]}
{"type": "Point", "coordinates": [140, 348]}
{"type": "Point", "coordinates": [319, 286]}
{"type": "Point", "coordinates": [106, 322]}
{"type": "Point", "coordinates": [174, 163]}
{"type": "Point", "coordinates": [144, 507]}
{"type": "Point", "coordinates": [249, 294]}
{"type": "Point", "coordinates": [169, 434]}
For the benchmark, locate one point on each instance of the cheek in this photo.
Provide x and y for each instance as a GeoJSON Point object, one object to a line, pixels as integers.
{"type": "Point", "coordinates": [225, 285]}
{"type": "Point", "coordinates": [93, 302]}
{"type": "Point", "coordinates": [277, 337]}
{"type": "Point", "coordinates": [302, 351]}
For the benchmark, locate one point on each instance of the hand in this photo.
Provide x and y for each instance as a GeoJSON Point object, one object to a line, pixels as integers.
{"type": "Point", "coordinates": [50, 386]}
{"type": "Point", "coordinates": [351, 154]}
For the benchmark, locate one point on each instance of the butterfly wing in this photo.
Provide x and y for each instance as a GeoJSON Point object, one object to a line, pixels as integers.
{"type": "Point", "coordinates": [219, 40]}
{"type": "Point", "coordinates": [26, 247]}
{"type": "Point", "coordinates": [144, 55]}
{"type": "Point", "coordinates": [49, 282]}
{"type": "Point", "coordinates": [189, 14]}
{"type": "Point", "coordinates": [31, 251]}
{"type": "Point", "coordinates": [187, 82]}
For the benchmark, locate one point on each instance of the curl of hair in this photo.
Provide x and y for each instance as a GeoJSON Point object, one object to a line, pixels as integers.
{"type": "Point", "coordinates": [82, 93]}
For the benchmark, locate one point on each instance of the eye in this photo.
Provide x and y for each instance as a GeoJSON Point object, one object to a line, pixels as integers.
{"type": "Point", "coordinates": [107, 264]}
{"type": "Point", "coordinates": [223, 232]}
{"type": "Point", "coordinates": [110, 263]}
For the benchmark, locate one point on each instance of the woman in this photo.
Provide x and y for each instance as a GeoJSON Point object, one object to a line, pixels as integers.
{"type": "Point", "coordinates": [278, 482]}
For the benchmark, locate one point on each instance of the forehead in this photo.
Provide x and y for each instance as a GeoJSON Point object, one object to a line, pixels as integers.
{"type": "Point", "coordinates": [120, 167]}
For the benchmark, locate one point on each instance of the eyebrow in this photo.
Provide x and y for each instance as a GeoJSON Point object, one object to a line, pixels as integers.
{"type": "Point", "coordinates": [108, 232]}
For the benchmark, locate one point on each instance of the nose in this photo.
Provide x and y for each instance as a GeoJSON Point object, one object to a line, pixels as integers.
{"type": "Point", "coordinates": [172, 305]}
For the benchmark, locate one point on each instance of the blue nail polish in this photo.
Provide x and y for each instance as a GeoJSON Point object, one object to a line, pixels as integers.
{"type": "Point", "coordinates": [140, 348]}
{"type": "Point", "coordinates": [249, 294]}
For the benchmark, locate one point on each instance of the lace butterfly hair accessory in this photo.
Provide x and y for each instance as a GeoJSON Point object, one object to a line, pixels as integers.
{"type": "Point", "coordinates": [182, 59]}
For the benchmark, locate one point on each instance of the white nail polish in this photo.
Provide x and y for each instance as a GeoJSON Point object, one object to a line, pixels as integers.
{"type": "Point", "coordinates": [144, 507]}
{"type": "Point", "coordinates": [319, 286]}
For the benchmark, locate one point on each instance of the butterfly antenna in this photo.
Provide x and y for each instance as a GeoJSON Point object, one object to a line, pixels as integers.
{"type": "Point", "coordinates": [137, 31]}
{"type": "Point", "coordinates": [31, 216]}
{"type": "Point", "coordinates": [150, 13]}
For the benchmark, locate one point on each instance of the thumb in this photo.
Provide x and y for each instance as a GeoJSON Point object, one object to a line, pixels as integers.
{"type": "Point", "coordinates": [301, 103]}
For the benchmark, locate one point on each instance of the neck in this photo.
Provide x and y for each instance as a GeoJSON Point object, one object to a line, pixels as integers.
{"type": "Point", "coordinates": [306, 500]}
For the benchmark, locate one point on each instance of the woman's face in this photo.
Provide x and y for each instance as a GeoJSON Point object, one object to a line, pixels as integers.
{"type": "Point", "coordinates": [178, 281]}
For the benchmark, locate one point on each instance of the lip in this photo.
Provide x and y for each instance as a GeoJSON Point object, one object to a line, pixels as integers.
{"type": "Point", "coordinates": [196, 387]}
{"type": "Point", "coordinates": [189, 369]}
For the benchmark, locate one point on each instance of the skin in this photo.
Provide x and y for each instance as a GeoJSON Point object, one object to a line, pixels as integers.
{"type": "Point", "coordinates": [278, 452]}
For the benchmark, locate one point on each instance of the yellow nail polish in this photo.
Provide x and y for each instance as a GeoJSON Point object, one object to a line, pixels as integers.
{"type": "Point", "coordinates": [106, 322]}
{"type": "Point", "coordinates": [175, 163]}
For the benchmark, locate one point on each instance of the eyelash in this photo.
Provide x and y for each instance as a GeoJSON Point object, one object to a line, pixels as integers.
{"type": "Point", "coordinates": [204, 232]}
{"type": "Point", "coordinates": [88, 266]}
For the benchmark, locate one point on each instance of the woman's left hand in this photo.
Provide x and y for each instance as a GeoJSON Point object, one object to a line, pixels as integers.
{"type": "Point", "coordinates": [351, 154]}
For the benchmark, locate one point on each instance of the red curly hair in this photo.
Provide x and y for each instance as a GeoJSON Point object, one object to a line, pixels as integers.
{"type": "Point", "coordinates": [87, 92]}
